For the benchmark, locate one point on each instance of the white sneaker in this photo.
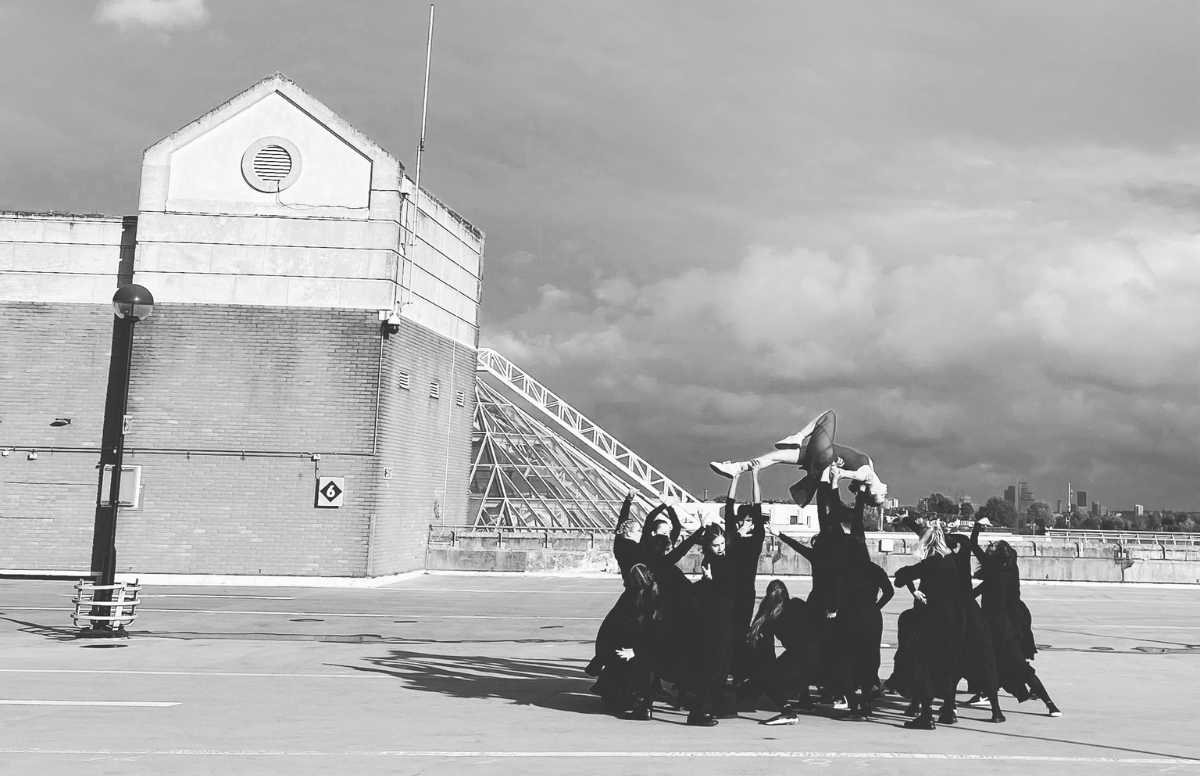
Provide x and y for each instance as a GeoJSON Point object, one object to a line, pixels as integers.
{"type": "Point", "coordinates": [729, 469]}
{"type": "Point", "coordinates": [840, 703]}
{"type": "Point", "coordinates": [795, 440]}
{"type": "Point", "coordinates": [782, 719]}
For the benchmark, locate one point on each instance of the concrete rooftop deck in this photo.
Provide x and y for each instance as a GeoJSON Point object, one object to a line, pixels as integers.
{"type": "Point", "coordinates": [452, 674]}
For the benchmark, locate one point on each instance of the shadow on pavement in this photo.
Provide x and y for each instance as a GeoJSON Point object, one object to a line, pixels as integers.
{"type": "Point", "coordinates": [552, 684]}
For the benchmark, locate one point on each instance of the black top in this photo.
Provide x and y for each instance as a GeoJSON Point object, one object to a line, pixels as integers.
{"type": "Point", "coordinates": [721, 579]}
{"type": "Point", "coordinates": [937, 574]}
{"type": "Point", "coordinates": [743, 551]}
{"type": "Point", "coordinates": [792, 624]}
{"type": "Point", "coordinates": [865, 585]}
{"type": "Point", "coordinates": [670, 578]}
{"type": "Point", "coordinates": [962, 559]}
{"type": "Point", "coordinates": [999, 579]}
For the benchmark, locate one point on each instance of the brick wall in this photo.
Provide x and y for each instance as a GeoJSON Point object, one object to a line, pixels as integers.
{"type": "Point", "coordinates": [425, 441]}
{"type": "Point", "coordinates": [228, 404]}
{"type": "Point", "coordinates": [53, 364]}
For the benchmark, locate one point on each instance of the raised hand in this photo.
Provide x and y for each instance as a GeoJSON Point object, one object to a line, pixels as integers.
{"type": "Point", "coordinates": [625, 654]}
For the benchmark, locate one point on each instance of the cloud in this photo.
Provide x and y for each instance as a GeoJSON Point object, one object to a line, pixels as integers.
{"type": "Point", "coordinates": [157, 15]}
{"type": "Point", "coordinates": [1039, 325]}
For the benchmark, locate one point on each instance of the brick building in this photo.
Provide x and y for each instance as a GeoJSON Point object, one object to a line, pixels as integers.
{"type": "Point", "coordinates": [276, 239]}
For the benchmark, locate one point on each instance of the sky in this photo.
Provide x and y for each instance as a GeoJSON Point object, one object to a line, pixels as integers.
{"type": "Point", "coordinates": [971, 229]}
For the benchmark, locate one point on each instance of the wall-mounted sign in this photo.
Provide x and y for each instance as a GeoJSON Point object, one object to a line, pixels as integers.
{"type": "Point", "coordinates": [330, 491]}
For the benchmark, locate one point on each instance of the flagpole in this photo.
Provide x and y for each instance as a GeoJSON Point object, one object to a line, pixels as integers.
{"type": "Point", "coordinates": [413, 203]}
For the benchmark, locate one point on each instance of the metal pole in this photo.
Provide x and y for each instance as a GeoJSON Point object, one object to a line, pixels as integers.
{"type": "Point", "coordinates": [413, 201]}
{"type": "Point", "coordinates": [104, 537]}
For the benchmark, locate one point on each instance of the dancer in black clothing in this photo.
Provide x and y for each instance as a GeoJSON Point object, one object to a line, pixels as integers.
{"type": "Point", "coordinates": [744, 541]}
{"type": "Point", "coordinates": [627, 548]}
{"type": "Point", "coordinates": [926, 664]}
{"type": "Point", "coordinates": [714, 635]}
{"type": "Point", "coordinates": [1000, 574]}
{"type": "Point", "coordinates": [825, 556]}
{"type": "Point", "coordinates": [977, 659]}
{"type": "Point", "coordinates": [626, 680]}
{"type": "Point", "coordinates": [627, 552]}
{"type": "Point", "coordinates": [858, 628]}
{"type": "Point", "coordinates": [795, 623]}
{"type": "Point", "coordinates": [677, 636]}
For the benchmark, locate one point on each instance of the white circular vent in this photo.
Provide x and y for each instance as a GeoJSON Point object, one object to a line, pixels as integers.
{"type": "Point", "coordinates": [271, 164]}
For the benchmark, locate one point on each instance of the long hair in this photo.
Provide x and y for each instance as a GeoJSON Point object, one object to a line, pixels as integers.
{"type": "Point", "coordinates": [770, 608]}
{"type": "Point", "coordinates": [647, 603]}
{"type": "Point", "coordinates": [1004, 552]}
{"type": "Point", "coordinates": [933, 540]}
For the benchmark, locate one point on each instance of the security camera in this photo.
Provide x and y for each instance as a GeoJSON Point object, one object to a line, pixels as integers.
{"type": "Point", "coordinates": [392, 324]}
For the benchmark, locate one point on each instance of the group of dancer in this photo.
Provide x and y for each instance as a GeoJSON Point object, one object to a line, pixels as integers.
{"type": "Point", "coordinates": [707, 640]}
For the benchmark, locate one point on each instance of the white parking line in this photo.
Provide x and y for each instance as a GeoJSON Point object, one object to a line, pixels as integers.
{"type": "Point", "coordinates": [189, 673]}
{"type": "Point", "coordinates": [809, 756]}
{"type": "Point", "coordinates": [86, 703]}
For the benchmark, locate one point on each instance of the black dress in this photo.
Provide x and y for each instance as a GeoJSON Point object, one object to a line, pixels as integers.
{"type": "Point", "coordinates": [793, 670]}
{"type": "Point", "coordinates": [1000, 580]}
{"type": "Point", "coordinates": [977, 660]}
{"type": "Point", "coordinates": [626, 684]}
{"type": "Point", "coordinates": [713, 651]}
{"type": "Point", "coordinates": [628, 553]}
{"type": "Point", "coordinates": [744, 552]}
{"type": "Point", "coordinates": [676, 638]}
{"type": "Point", "coordinates": [927, 660]}
{"type": "Point", "coordinates": [866, 589]}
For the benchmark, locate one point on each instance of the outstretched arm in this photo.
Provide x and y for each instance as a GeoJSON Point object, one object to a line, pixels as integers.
{"type": "Point", "coordinates": [676, 555]}
{"type": "Point", "coordinates": [648, 526]}
{"type": "Point", "coordinates": [858, 525]}
{"type": "Point", "coordinates": [624, 515]}
{"type": "Point", "coordinates": [730, 517]}
{"type": "Point", "coordinates": [676, 526]}
{"type": "Point", "coordinates": [910, 522]}
{"type": "Point", "coordinates": [975, 548]}
{"type": "Point", "coordinates": [807, 552]}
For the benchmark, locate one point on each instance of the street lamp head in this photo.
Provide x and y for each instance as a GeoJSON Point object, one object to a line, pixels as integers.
{"type": "Point", "coordinates": [133, 302]}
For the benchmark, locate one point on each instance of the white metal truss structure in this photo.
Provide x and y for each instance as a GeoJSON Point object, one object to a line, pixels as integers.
{"type": "Point", "coordinates": [525, 475]}
{"type": "Point", "coordinates": [652, 483]}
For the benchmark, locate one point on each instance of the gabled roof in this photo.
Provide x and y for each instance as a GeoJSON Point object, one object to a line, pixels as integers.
{"type": "Point", "coordinates": [277, 82]}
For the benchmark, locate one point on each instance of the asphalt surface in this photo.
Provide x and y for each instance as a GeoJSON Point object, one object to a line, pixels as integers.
{"type": "Point", "coordinates": [451, 674]}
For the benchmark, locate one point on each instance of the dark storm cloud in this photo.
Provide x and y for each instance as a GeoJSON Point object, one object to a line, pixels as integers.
{"type": "Point", "coordinates": [970, 228]}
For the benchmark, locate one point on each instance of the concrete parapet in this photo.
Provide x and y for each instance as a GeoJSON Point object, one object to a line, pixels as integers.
{"type": "Point", "coordinates": [479, 552]}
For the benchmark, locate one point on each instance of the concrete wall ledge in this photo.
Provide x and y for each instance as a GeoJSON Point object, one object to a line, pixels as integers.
{"type": "Point", "coordinates": [239, 580]}
{"type": "Point", "coordinates": [599, 562]}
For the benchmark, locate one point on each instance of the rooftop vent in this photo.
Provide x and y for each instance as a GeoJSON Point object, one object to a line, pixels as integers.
{"type": "Point", "coordinates": [271, 164]}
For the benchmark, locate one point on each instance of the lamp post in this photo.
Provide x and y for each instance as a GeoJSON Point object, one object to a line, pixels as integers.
{"type": "Point", "coordinates": [131, 303]}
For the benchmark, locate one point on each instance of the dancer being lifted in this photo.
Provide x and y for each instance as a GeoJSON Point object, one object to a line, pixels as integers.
{"type": "Point", "coordinates": [812, 448]}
